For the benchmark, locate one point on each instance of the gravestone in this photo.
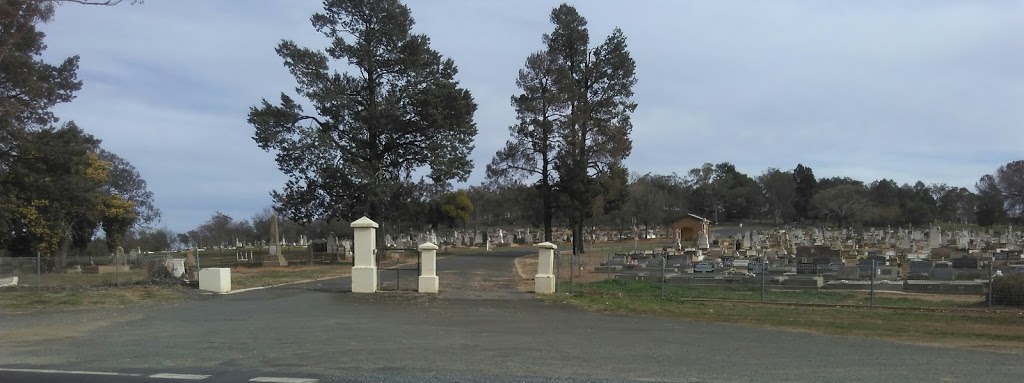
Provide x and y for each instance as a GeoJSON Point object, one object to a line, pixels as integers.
{"type": "Point", "coordinates": [190, 266]}
{"type": "Point", "coordinates": [963, 240]}
{"type": "Point", "coordinates": [133, 257]}
{"type": "Point", "coordinates": [332, 243]}
{"type": "Point", "coordinates": [276, 256]}
{"type": "Point", "coordinates": [346, 249]}
{"type": "Point", "coordinates": [120, 261]}
{"type": "Point", "coordinates": [935, 238]}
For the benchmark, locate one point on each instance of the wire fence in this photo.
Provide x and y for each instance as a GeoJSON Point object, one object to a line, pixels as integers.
{"type": "Point", "coordinates": [86, 271]}
{"type": "Point", "coordinates": [863, 282]}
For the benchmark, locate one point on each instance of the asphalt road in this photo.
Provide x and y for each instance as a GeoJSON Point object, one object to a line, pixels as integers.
{"type": "Point", "coordinates": [479, 329]}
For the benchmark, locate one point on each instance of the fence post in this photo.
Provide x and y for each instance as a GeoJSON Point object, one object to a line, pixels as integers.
{"type": "Point", "coordinates": [365, 274]}
{"type": "Point", "coordinates": [990, 262]}
{"type": "Point", "coordinates": [663, 262]}
{"type": "Point", "coordinates": [871, 301]}
{"type": "Point", "coordinates": [764, 275]}
{"type": "Point", "coordinates": [39, 269]}
{"type": "Point", "coordinates": [572, 272]}
{"type": "Point", "coordinates": [558, 267]}
{"type": "Point", "coordinates": [428, 281]}
{"type": "Point", "coordinates": [608, 266]}
{"type": "Point", "coordinates": [544, 282]}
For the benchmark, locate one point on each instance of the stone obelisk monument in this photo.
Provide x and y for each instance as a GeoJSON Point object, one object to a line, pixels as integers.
{"type": "Point", "coordinates": [276, 256]}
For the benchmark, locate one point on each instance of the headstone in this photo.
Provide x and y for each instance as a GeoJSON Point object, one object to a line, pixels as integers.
{"type": "Point", "coordinates": [702, 241]}
{"type": "Point", "coordinates": [332, 244]}
{"type": "Point", "coordinates": [935, 238]}
{"type": "Point", "coordinates": [276, 256]}
{"type": "Point", "coordinates": [346, 248]}
{"type": "Point", "coordinates": [189, 266]}
{"type": "Point", "coordinates": [119, 259]}
{"type": "Point", "coordinates": [963, 240]}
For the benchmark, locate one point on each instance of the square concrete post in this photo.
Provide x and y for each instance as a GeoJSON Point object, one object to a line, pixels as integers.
{"type": "Point", "coordinates": [364, 271]}
{"type": "Point", "coordinates": [428, 268]}
{"type": "Point", "coordinates": [544, 282]}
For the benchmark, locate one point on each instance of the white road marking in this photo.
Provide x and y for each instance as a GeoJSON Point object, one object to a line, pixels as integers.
{"type": "Point", "coordinates": [179, 376]}
{"type": "Point", "coordinates": [70, 372]}
{"type": "Point", "coordinates": [283, 380]}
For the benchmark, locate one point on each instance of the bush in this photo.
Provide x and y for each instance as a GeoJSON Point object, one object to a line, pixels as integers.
{"type": "Point", "coordinates": [1008, 290]}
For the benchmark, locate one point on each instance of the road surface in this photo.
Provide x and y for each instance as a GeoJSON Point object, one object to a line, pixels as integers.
{"type": "Point", "coordinates": [479, 329]}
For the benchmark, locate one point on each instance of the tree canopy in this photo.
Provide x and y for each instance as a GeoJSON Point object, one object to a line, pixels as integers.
{"type": "Point", "coordinates": [573, 122]}
{"type": "Point", "coordinates": [398, 111]}
{"type": "Point", "coordinates": [57, 185]}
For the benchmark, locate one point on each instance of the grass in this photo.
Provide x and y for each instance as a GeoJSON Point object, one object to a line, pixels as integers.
{"type": "Point", "coordinates": [932, 321]}
{"type": "Point", "coordinates": [640, 289]}
{"type": "Point", "coordinates": [244, 277]}
{"type": "Point", "coordinates": [82, 280]}
{"type": "Point", "coordinates": [23, 298]}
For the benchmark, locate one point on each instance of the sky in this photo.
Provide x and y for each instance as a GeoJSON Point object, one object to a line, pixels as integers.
{"type": "Point", "coordinates": [928, 90]}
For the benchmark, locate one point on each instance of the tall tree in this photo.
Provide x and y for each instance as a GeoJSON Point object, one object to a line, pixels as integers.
{"type": "Point", "coordinates": [125, 182]}
{"type": "Point", "coordinates": [29, 87]}
{"type": "Point", "coordinates": [779, 189]}
{"type": "Point", "coordinates": [1010, 179]}
{"type": "Point", "coordinates": [806, 185]}
{"type": "Point", "coordinates": [707, 196]}
{"type": "Point", "coordinates": [531, 150]}
{"type": "Point", "coordinates": [991, 208]}
{"type": "Point", "coordinates": [573, 126]}
{"type": "Point", "coordinates": [843, 203]}
{"type": "Point", "coordinates": [398, 112]}
{"type": "Point", "coordinates": [593, 138]}
{"type": "Point", "coordinates": [54, 186]}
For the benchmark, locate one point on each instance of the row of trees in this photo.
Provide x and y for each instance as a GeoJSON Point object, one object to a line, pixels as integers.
{"type": "Point", "coordinates": [722, 193]}
{"type": "Point", "coordinates": [58, 186]}
{"type": "Point", "coordinates": [401, 112]}
{"type": "Point", "coordinates": [774, 196]}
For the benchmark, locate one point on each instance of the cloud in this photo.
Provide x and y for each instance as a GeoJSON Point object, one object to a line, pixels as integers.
{"type": "Point", "coordinates": [908, 90]}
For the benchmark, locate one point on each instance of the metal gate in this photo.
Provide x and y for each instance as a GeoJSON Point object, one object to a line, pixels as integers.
{"type": "Point", "coordinates": [396, 270]}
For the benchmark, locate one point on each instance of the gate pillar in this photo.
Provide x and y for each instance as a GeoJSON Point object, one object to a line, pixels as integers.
{"type": "Point", "coordinates": [428, 268]}
{"type": "Point", "coordinates": [364, 269]}
{"type": "Point", "coordinates": [544, 282]}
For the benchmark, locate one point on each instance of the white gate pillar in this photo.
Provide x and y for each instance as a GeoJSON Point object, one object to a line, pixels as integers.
{"type": "Point", "coordinates": [428, 268]}
{"type": "Point", "coordinates": [364, 269]}
{"type": "Point", "coordinates": [544, 282]}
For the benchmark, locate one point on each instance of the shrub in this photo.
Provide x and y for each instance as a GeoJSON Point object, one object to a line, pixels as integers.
{"type": "Point", "coordinates": [1008, 290]}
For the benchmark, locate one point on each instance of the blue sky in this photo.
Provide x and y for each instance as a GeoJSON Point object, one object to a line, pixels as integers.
{"type": "Point", "coordinates": [925, 90]}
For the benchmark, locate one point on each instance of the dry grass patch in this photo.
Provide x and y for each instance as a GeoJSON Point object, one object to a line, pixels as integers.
{"type": "Point", "coordinates": [25, 298]}
{"type": "Point", "coordinates": [247, 277]}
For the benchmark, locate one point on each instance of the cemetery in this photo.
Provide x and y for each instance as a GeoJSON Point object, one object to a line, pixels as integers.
{"type": "Point", "coordinates": [902, 259]}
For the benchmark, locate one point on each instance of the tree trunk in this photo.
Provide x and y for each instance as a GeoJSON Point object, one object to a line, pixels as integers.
{"type": "Point", "coordinates": [545, 195]}
{"type": "Point", "coordinates": [577, 238]}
